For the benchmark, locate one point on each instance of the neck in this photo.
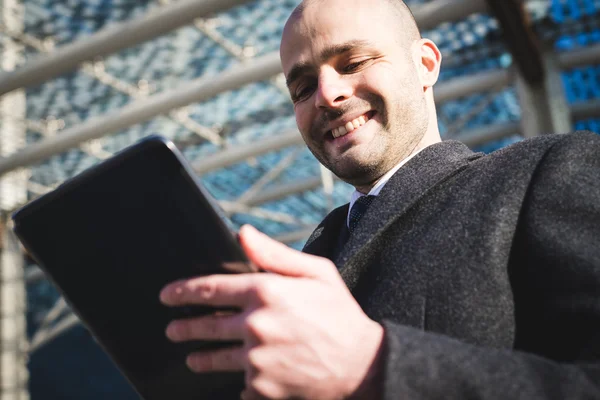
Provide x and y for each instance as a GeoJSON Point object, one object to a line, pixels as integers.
{"type": "Point", "coordinates": [432, 136]}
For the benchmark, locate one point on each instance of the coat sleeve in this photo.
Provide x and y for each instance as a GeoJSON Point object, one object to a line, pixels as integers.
{"type": "Point", "coordinates": [554, 271]}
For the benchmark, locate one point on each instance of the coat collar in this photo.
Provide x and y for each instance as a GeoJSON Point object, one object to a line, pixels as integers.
{"type": "Point", "coordinates": [430, 167]}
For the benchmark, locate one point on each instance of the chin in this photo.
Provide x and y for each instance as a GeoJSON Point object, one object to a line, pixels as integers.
{"type": "Point", "coordinates": [355, 173]}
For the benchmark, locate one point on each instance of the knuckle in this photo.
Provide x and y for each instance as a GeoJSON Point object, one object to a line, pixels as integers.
{"type": "Point", "coordinates": [210, 326]}
{"type": "Point", "coordinates": [253, 362]}
{"type": "Point", "coordinates": [254, 327]}
{"type": "Point", "coordinates": [266, 291]}
{"type": "Point", "coordinates": [204, 289]}
{"type": "Point", "coordinates": [265, 389]}
{"type": "Point", "coordinates": [327, 265]}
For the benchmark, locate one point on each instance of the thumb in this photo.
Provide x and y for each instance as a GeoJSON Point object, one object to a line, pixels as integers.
{"type": "Point", "coordinates": [272, 256]}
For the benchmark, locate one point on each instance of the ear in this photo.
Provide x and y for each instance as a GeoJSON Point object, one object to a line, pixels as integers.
{"type": "Point", "coordinates": [430, 62]}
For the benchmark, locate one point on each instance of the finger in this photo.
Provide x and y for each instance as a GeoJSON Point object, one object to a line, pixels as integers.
{"type": "Point", "coordinates": [229, 359]}
{"type": "Point", "coordinates": [214, 290]}
{"type": "Point", "coordinates": [273, 256]}
{"type": "Point", "coordinates": [262, 389]}
{"type": "Point", "coordinates": [210, 327]}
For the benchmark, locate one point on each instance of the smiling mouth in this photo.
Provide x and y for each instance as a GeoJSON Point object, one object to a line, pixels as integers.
{"type": "Point", "coordinates": [350, 126]}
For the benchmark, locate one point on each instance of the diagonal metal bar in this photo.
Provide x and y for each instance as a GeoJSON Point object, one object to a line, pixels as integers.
{"type": "Point", "coordinates": [59, 307]}
{"type": "Point", "coordinates": [275, 216]}
{"type": "Point", "coordinates": [50, 333]}
{"type": "Point", "coordinates": [241, 153]}
{"type": "Point", "coordinates": [296, 236]}
{"type": "Point", "coordinates": [142, 110]}
{"type": "Point", "coordinates": [117, 37]}
{"type": "Point", "coordinates": [269, 176]}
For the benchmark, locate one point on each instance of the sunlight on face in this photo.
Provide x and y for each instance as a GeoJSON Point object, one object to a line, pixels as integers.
{"type": "Point", "coordinates": [352, 75]}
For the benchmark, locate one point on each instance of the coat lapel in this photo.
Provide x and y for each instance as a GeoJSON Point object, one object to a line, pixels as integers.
{"type": "Point", "coordinates": [427, 169]}
{"type": "Point", "coordinates": [327, 239]}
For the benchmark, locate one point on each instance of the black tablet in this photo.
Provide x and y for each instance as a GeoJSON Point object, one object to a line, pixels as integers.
{"type": "Point", "coordinates": [112, 237]}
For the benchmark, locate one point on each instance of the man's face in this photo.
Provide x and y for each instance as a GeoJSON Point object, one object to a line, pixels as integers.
{"type": "Point", "coordinates": [357, 94]}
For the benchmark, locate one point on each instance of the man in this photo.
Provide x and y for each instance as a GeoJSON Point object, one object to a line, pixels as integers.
{"type": "Point", "coordinates": [470, 276]}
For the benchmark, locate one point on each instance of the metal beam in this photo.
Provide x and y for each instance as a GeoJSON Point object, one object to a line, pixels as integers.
{"type": "Point", "coordinates": [287, 189]}
{"type": "Point", "coordinates": [543, 102]}
{"type": "Point", "coordinates": [142, 110]}
{"type": "Point", "coordinates": [520, 38]}
{"type": "Point", "coordinates": [49, 333]}
{"type": "Point", "coordinates": [116, 37]}
{"type": "Point", "coordinates": [433, 13]}
{"type": "Point", "coordinates": [467, 85]}
{"type": "Point", "coordinates": [240, 153]}
{"type": "Point", "coordinates": [13, 333]}
{"type": "Point", "coordinates": [485, 134]}
{"type": "Point", "coordinates": [295, 236]}
{"type": "Point", "coordinates": [587, 110]}
{"type": "Point", "coordinates": [581, 57]}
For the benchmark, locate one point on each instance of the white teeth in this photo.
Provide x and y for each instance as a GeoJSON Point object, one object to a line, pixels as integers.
{"type": "Point", "coordinates": [349, 126]}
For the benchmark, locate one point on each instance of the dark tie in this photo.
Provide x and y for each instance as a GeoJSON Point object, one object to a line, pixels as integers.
{"type": "Point", "coordinates": [359, 208]}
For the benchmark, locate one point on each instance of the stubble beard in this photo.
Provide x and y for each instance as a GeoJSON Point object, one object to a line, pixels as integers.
{"type": "Point", "coordinates": [399, 134]}
{"type": "Point", "coordinates": [355, 169]}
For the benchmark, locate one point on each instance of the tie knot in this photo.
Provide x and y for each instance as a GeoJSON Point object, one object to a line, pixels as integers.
{"type": "Point", "coordinates": [359, 208]}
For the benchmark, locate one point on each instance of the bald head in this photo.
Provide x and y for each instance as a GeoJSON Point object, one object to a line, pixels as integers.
{"type": "Point", "coordinates": [405, 22]}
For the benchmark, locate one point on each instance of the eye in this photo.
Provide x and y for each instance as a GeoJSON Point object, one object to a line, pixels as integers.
{"type": "Point", "coordinates": [303, 92]}
{"type": "Point", "coordinates": [352, 67]}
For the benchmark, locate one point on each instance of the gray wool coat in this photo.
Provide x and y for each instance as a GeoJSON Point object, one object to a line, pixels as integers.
{"type": "Point", "coordinates": [483, 269]}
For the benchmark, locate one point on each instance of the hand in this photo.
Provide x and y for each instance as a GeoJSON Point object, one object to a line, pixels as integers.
{"type": "Point", "coordinates": [304, 335]}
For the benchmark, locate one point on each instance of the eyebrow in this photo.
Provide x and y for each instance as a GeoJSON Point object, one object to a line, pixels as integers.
{"type": "Point", "coordinates": [301, 68]}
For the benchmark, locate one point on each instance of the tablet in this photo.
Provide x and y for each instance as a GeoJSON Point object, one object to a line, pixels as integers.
{"type": "Point", "coordinates": [112, 237]}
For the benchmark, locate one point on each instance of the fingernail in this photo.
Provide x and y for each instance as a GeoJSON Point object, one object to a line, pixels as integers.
{"type": "Point", "coordinates": [172, 331]}
{"type": "Point", "coordinates": [193, 364]}
{"type": "Point", "coordinates": [169, 294]}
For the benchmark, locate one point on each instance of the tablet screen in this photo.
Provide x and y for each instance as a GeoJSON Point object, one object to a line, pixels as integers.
{"type": "Point", "coordinates": [111, 239]}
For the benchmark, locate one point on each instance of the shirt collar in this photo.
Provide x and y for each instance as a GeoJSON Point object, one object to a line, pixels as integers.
{"type": "Point", "coordinates": [379, 185]}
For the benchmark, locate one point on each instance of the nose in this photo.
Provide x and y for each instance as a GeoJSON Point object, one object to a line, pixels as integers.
{"type": "Point", "coordinates": [333, 89]}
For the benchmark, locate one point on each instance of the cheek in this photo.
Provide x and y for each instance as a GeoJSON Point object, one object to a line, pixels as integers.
{"type": "Point", "coordinates": [303, 118]}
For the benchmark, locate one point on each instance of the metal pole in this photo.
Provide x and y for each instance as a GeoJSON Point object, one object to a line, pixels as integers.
{"type": "Point", "coordinates": [587, 110]}
{"type": "Point", "coordinates": [485, 134]}
{"type": "Point", "coordinates": [13, 338]}
{"type": "Point", "coordinates": [544, 104]}
{"type": "Point", "coordinates": [110, 40]}
{"type": "Point", "coordinates": [238, 154]}
{"type": "Point", "coordinates": [580, 57]}
{"type": "Point", "coordinates": [142, 110]}
{"type": "Point", "coordinates": [433, 13]}
{"type": "Point", "coordinates": [464, 86]}
{"type": "Point", "coordinates": [295, 236]}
